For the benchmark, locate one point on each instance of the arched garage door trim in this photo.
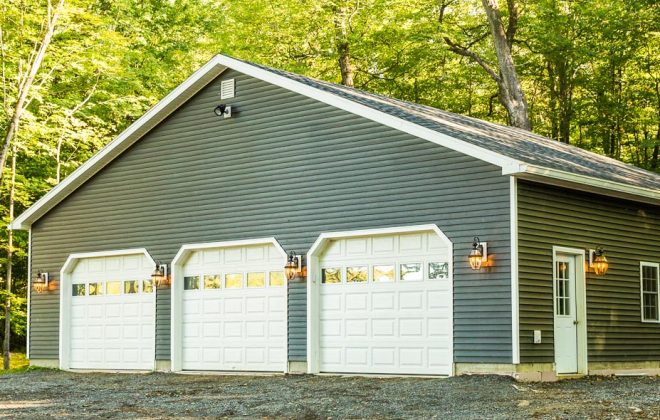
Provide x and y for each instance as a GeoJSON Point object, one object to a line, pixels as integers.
{"type": "Point", "coordinates": [177, 291]}
{"type": "Point", "coordinates": [65, 294]}
{"type": "Point", "coordinates": [313, 280]}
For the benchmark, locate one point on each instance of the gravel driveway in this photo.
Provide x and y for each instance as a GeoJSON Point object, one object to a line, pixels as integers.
{"type": "Point", "coordinates": [52, 393]}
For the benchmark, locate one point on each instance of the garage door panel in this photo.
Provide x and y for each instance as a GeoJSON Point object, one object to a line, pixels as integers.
{"type": "Point", "coordinates": [398, 320]}
{"type": "Point", "coordinates": [233, 305]}
{"type": "Point", "coordinates": [277, 329]}
{"type": "Point", "coordinates": [331, 301]}
{"type": "Point", "coordinates": [276, 304]}
{"type": "Point", "coordinates": [111, 331]}
{"type": "Point", "coordinates": [240, 328]}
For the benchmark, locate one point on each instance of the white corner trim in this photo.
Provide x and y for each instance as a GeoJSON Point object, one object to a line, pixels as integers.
{"type": "Point", "coordinates": [141, 126]}
{"type": "Point", "coordinates": [593, 184]}
{"type": "Point", "coordinates": [515, 298]}
{"type": "Point", "coordinates": [313, 257]}
{"type": "Point", "coordinates": [176, 290]}
{"type": "Point", "coordinates": [65, 295]}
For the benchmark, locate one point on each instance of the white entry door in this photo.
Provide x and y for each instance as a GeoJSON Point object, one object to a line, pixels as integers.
{"type": "Point", "coordinates": [234, 309]}
{"type": "Point", "coordinates": [112, 313]}
{"type": "Point", "coordinates": [566, 320]}
{"type": "Point", "coordinates": [386, 305]}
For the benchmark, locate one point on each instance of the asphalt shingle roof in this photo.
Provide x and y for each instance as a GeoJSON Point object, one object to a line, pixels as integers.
{"type": "Point", "coordinates": [515, 143]}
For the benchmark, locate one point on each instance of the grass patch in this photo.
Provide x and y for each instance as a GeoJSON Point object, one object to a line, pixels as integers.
{"type": "Point", "coordinates": [17, 363]}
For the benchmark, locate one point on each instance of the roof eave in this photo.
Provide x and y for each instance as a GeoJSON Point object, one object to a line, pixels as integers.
{"type": "Point", "coordinates": [588, 184]}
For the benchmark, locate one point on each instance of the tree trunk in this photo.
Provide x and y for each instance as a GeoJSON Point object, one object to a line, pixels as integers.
{"type": "Point", "coordinates": [510, 91]}
{"type": "Point", "coordinates": [656, 148]}
{"type": "Point", "coordinates": [25, 84]}
{"type": "Point", "coordinates": [6, 345]}
{"type": "Point", "coordinates": [343, 45]}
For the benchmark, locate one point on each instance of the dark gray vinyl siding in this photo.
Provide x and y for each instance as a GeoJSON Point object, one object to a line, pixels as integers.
{"type": "Point", "coordinates": [297, 320]}
{"type": "Point", "coordinates": [290, 167]}
{"type": "Point", "coordinates": [628, 231]}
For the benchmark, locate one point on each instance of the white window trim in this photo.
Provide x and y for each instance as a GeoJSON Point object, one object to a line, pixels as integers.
{"type": "Point", "coordinates": [314, 281]}
{"type": "Point", "coordinates": [176, 289]}
{"type": "Point", "coordinates": [65, 298]}
{"type": "Point", "coordinates": [643, 264]}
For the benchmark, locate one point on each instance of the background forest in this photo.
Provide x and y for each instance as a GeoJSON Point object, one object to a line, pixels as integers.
{"type": "Point", "coordinates": [77, 73]}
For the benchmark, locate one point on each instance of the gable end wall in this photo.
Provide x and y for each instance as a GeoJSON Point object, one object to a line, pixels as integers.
{"type": "Point", "coordinates": [290, 167]}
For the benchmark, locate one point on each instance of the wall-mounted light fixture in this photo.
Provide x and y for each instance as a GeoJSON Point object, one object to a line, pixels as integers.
{"type": "Point", "coordinates": [223, 110]}
{"type": "Point", "coordinates": [293, 265]}
{"type": "Point", "coordinates": [40, 283]}
{"type": "Point", "coordinates": [160, 275]}
{"type": "Point", "coordinates": [478, 254]}
{"type": "Point", "coordinates": [598, 261]}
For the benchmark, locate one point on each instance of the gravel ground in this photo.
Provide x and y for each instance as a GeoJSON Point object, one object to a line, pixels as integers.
{"type": "Point", "coordinates": [38, 394]}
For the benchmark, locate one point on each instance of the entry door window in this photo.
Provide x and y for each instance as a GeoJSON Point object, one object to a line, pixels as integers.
{"type": "Point", "coordinates": [563, 289]}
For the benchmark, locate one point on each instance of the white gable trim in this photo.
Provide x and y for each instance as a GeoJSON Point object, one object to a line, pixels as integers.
{"type": "Point", "coordinates": [507, 164]}
{"type": "Point", "coordinates": [216, 66]}
{"type": "Point", "coordinates": [134, 132]}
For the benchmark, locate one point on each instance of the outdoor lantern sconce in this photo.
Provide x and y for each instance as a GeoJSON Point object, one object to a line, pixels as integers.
{"type": "Point", "coordinates": [223, 110]}
{"type": "Point", "coordinates": [598, 262]}
{"type": "Point", "coordinates": [40, 283]}
{"type": "Point", "coordinates": [293, 265]}
{"type": "Point", "coordinates": [160, 276]}
{"type": "Point", "coordinates": [478, 254]}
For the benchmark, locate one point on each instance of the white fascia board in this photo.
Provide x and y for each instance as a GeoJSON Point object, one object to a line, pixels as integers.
{"type": "Point", "coordinates": [591, 184]}
{"type": "Point", "coordinates": [507, 164]}
{"type": "Point", "coordinates": [134, 132]}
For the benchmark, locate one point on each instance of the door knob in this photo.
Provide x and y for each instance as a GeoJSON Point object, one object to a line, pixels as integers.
{"type": "Point", "coordinates": [575, 322]}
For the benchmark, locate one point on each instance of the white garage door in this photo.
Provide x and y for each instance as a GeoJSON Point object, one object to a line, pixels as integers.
{"type": "Point", "coordinates": [234, 309]}
{"type": "Point", "coordinates": [112, 321]}
{"type": "Point", "coordinates": [385, 305]}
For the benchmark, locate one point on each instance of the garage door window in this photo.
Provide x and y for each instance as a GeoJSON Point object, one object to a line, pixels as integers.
{"type": "Point", "coordinates": [411, 272]}
{"type": "Point", "coordinates": [212, 281]}
{"type": "Point", "coordinates": [256, 280]}
{"type": "Point", "coordinates": [331, 275]}
{"type": "Point", "coordinates": [357, 274]}
{"type": "Point", "coordinates": [383, 273]}
{"type": "Point", "coordinates": [78, 289]}
{"type": "Point", "coordinates": [95, 289]}
{"type": "Point", "coordinates": [114, 288]}
{"type": "Point", "coordinates": [130, 287]}
{"type": "Point", "coordinates": [147, 286]}
{"type": "Point", "coordinates": [191, 283]}
{"type": "Point", "coordinates": [234, 280]}
{"type": "Point", "coordinates": [438, 270]}
{"type": "Point", "coordinates": [276, 278]}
